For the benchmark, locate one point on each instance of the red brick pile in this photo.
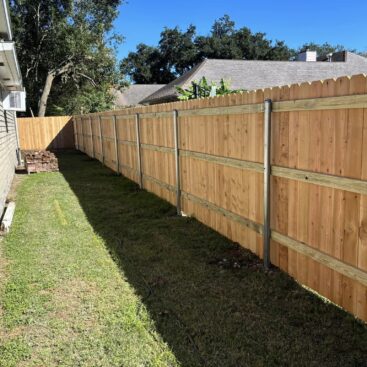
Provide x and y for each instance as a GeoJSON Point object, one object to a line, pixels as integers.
{"type": "Point", "coordinates": [40, 161]}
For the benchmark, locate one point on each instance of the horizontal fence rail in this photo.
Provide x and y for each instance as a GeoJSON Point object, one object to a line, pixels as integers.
{"type": "Point", "coordinates": [282, 171]}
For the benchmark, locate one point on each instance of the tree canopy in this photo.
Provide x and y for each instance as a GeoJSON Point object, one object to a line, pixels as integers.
{"type": "Point", "coordinates": [177, 51]}
{"type": "Point", "coordinates": [66, 53]}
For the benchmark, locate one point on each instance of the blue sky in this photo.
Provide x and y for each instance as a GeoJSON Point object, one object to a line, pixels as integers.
{"type": "Point", "coordinates": [296, 22]}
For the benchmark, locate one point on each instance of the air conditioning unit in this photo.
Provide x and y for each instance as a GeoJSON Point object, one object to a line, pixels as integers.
{"type": "Point", "coordinates": [14, 100]}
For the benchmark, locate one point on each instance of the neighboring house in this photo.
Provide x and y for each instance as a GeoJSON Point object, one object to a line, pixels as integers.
{"type": "Point", "coordinates": [134, 94]}
{"type": "Point", "coordinates": [12, 98]}
{"type": "Point", "coordinates": [256, 74]}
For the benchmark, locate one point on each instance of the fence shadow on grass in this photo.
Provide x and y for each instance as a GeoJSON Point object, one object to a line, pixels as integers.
{"type": "Point", "coordinates": [211, 301]}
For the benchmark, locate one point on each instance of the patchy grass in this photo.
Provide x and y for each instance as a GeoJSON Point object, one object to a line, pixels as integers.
{"type": "Point", "coordinates": [65, 302]}
{"type": "Point", "coordinates": [102, 274]}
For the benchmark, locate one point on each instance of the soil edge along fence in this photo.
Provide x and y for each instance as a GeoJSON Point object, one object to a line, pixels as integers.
{"type": "Point", "coordinates": [46, 133]}
{"type": "Point", "coordinates": [282, 171]}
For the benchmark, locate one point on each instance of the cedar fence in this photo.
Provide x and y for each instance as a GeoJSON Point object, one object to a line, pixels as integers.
{"type": "Point", "coordinates": [46, 133]}
{"type": "Point", "coordinates": [207, 157]}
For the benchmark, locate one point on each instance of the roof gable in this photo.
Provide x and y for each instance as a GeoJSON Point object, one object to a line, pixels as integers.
{"type": "Point", "coordinates": [257, 74]}
{"type": "Point", "coordinates": [134, 94]}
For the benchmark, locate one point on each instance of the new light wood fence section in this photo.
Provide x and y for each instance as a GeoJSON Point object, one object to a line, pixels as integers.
{"type": "Point", "coordinates": [46, 133]}
{"type": "Point", "coordinates": [318, 173]}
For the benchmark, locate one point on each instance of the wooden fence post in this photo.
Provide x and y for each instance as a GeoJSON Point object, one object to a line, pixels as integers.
{"type": "Point", "coordinates": [83, 135]}
{"type": "Point", "coordinates": [91, 135]}
{"type": "Point", "coordinates": [101, 137]}
{"type": "Point", "coordinates": [76, 134]}
{"type": "Point", "coordinates": [267, 173]}
{"type": "Point", "coordinates": [116, 144]}
{"type": "Point", "coordinates": [177, 160]}
{"type": "Point", "coordinates": [138, 148]}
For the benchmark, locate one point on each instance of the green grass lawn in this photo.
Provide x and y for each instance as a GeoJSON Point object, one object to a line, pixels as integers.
{"type": "Point", "coordinates": [96, 272]}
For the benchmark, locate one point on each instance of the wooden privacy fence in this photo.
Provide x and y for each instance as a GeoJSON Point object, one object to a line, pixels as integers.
{"type": "Point", "coordinates": [207, 157]}
{"type": "Point", "coordinates": [46, 133]}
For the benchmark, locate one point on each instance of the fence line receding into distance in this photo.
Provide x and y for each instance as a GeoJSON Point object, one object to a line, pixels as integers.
{"type": "Point", "coordinates": [207, 158]}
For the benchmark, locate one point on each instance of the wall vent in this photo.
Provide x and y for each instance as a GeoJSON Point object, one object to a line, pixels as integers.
{"type": "Point", "coordinates": [14, 101]}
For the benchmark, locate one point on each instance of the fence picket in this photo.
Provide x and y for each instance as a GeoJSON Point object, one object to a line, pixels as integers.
{"type": "Point", "coordinates": [213, 153]}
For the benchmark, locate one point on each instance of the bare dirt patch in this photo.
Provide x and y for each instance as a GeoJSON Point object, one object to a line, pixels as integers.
{"type": "Point", "coordinates": [18, 179]}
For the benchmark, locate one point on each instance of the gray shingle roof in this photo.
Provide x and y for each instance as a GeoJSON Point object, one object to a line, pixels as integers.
{"type": "Point", "coordinates": [255, 74]}
{"type": "Point", "coordinates": [134, 94]}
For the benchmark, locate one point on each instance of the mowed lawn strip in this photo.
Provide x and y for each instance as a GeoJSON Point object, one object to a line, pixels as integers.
{"type": "Point", "coordinates": [65, 302]}
{"type": "Point", "coordinates": [99, 273]}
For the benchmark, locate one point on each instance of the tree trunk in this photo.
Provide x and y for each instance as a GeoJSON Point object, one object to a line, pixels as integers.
{"type": "Point", "coordinates": [45, 93]}
{"type": "Point", "coordinates": [48, 85]}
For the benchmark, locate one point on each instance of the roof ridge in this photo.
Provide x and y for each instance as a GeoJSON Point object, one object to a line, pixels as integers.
{"type": "Point", "coordinates": [198, 68]}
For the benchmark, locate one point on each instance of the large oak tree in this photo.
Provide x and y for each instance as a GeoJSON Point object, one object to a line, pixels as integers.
{"type": "Point", "coordinates": [66, 52]}
{"type": "Point", "coordinates": [177, 51]}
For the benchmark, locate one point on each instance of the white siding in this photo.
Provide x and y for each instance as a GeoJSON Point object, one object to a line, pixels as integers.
{"type": "Point", "coordinates": [8, 152]}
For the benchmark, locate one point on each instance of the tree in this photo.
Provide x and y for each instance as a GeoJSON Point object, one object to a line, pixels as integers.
{"type": "Point", "coordinates": [64, 50]}
{"type": "Point", "coordinates": [143, 66]}
{"type": "Point", "coordinates": [178, 51]}
{"type": "Point", "coordinates": [175, 54]}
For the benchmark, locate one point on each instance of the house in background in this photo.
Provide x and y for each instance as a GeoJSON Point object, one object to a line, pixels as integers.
{"type": "Point", "coordinates": [134, 94]}
{"type": "Point", "coordinates": [256, 74]}
{"type": "Point", "coordinates": [12, 99]}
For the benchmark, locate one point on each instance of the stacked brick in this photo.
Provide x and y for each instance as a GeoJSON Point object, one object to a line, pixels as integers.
{"type": "Point", "coordinates": [40, 161]}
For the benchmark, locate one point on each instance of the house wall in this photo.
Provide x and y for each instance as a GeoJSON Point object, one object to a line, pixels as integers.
{"type": "Point", "coordinates": [8, 152]}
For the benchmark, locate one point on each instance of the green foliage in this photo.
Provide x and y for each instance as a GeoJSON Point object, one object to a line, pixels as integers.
{"type": "Point", "coordinates": [70, 39]}
{"type": "Point", "coordinates": [88, 99]}
{"type": "Point", "coordinates": [178, 51]}
{"type": "Point", "coordinates": [203, 89]}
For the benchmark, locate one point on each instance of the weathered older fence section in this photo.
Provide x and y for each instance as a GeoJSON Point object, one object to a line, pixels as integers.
{"type": "Point", "coordinates": [207, 157]}
{"type": "Point", "coordinates": [50, 133]}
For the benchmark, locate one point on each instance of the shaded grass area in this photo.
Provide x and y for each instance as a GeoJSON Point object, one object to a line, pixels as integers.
{"type": "Point", "coordinates": [209, 310]}
{"type": "Point", "coordinates": [64, 301]}
{"type": "Point", "coordinates": [177, 293]}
